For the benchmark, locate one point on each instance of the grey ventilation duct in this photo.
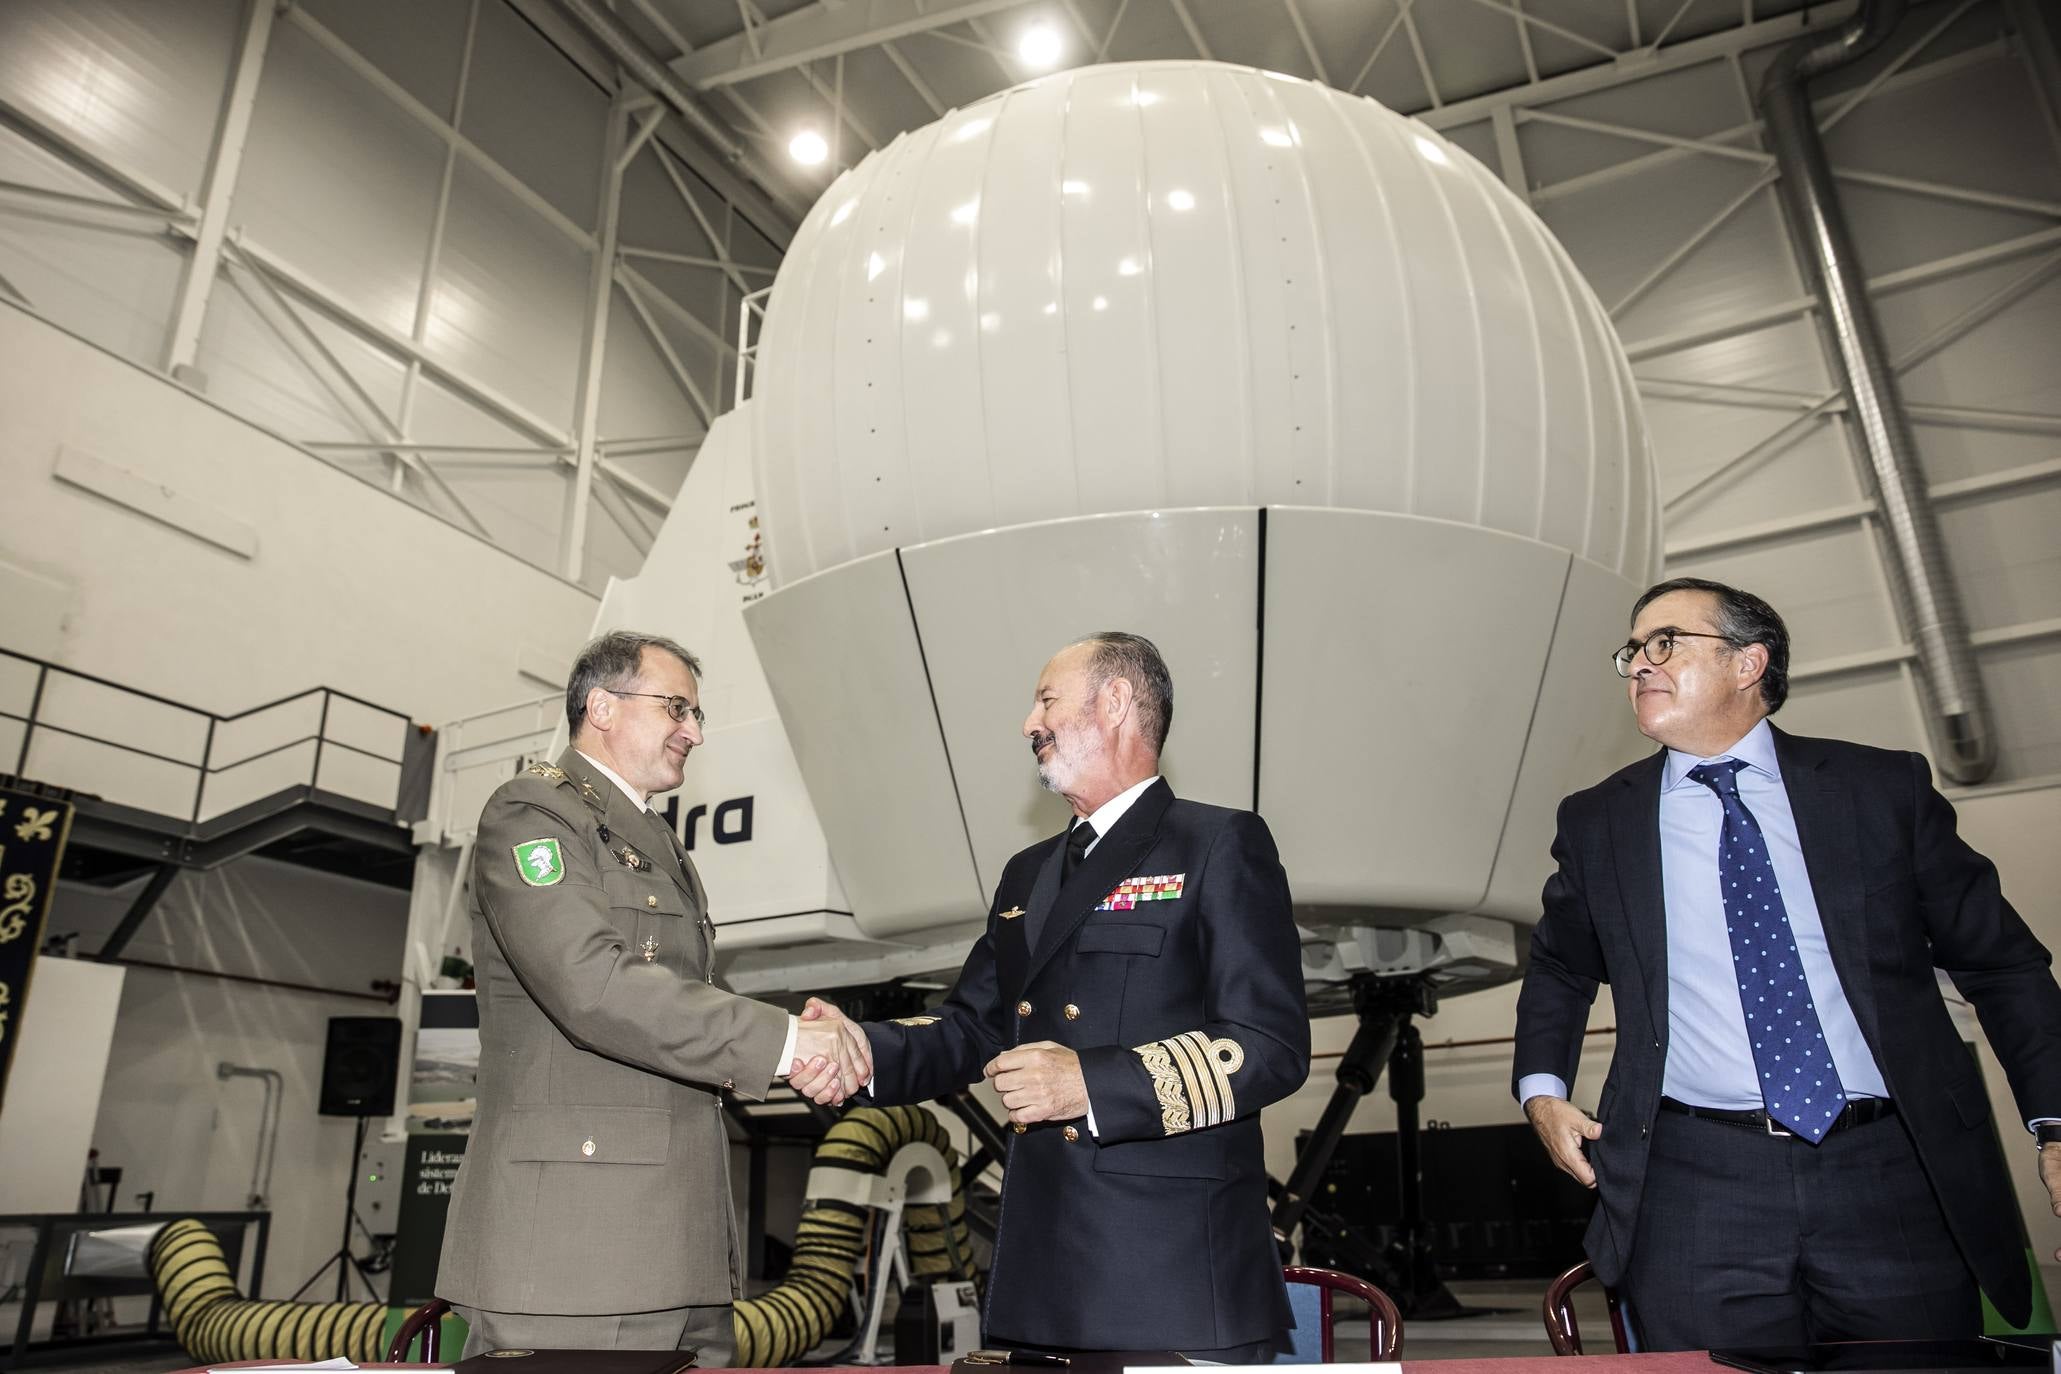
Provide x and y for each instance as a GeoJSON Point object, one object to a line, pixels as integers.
{"type": "Point", "coordinates": [1928, 603]}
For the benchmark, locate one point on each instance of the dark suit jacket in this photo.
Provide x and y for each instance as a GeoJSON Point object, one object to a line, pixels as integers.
{"type": "Point", "coordinates": [1900, 894]}
{"type": "Point", "coordinates": [1188, 1015]}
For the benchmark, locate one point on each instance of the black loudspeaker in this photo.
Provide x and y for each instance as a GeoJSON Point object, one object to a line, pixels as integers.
{"type": "Point", "coordinates": [359, 1066]}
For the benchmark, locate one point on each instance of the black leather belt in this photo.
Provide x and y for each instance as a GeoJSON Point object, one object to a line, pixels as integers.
{"type": "Point", "coordinates": [1859, 1112]}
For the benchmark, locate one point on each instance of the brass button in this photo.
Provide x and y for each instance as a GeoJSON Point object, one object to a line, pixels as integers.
{"type": "Point", "coordinates": [1071, 1134]}
{"type": "Point", "coordinates": [586, 1147]}
{"type": "Point", "coordinates": [1023, 1008]}
{"type": "Point", "coordinates": [1018, 1127]}
{"type": "Point", "coordinates": [651, 901]}
{"type": "Point", "coordinates": [1073, 1013]}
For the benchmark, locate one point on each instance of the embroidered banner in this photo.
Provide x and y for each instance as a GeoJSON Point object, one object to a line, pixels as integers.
{"type": "Point", "coordinates": [33, 830]}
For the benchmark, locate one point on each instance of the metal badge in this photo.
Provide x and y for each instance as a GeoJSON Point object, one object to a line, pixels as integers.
{"type": "Point", "coordinates": [650, 948]}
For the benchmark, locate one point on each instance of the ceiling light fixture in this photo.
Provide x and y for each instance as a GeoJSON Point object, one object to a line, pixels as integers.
{"type": "Point", "coordinates": [808, 148]}
{"type": "Point", "coordinates": [1040, 47]}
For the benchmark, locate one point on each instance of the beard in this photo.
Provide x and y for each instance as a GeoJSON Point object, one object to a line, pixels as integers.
{"type": "Point", "coordinates": [1069, 752]}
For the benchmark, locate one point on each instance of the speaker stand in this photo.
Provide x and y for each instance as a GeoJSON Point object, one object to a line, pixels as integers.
{"type": "Point", "coordinates": [346, 1263]}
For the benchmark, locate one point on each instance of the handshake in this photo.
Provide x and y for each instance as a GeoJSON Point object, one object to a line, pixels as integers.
{"type": "Point", "coordinates": [831, 1057]}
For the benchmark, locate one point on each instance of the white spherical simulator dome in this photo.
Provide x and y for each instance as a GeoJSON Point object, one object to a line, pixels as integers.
{"type": "Point", "coordinates": [1186, 284]}
{"type": "Point", "coordinates": [1262, 370]}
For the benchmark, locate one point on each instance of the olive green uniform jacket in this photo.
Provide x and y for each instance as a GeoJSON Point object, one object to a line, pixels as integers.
{"type": "Point", "coordinates": [597, 1177]}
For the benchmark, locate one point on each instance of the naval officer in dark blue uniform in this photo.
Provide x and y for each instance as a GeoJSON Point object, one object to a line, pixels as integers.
{"type": "Point", "coordinates": [1137, 998]}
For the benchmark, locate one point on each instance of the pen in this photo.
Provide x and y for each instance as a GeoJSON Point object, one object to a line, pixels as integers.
{"type": "Point", "coordinates": [1032, 1358]}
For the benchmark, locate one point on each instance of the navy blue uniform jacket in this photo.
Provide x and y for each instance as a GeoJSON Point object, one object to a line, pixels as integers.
{"type": "Point", "coordinates": [1900, 893]}
{"type": "Point", "coordinates": [1187, 1012]}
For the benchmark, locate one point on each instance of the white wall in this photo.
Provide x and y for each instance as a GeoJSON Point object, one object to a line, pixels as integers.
{"type": "Point", "coordinates": [347, 587]}
{"type": "Point", "coordinates": [53, 1086]}
{"type": "Point", "coordinates": [173, 1127]}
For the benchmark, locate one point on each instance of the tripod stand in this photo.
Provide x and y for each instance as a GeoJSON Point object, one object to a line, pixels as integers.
{"type": "Point", "coordinates": [346, 1263]}
{"type": "Point", "coordinates": [1386, 1038]}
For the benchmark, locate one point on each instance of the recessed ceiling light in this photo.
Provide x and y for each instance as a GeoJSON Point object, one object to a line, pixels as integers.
{"type": "Point", "coordinates": [1040, 47]}
{"type": "Point", "coordinates": [808, 148]}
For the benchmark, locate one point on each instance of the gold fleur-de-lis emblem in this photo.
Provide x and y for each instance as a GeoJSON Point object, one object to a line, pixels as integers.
{"type": "Point", "coordinates": [650, 950]}
{"type": "Point", "coordinates": [35, 824]}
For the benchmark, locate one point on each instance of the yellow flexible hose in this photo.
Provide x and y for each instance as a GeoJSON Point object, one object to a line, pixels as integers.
{"type": "Point", "coordinates": [786, 1323]}
{"type": "Point", "coordinates": [215, 1323]}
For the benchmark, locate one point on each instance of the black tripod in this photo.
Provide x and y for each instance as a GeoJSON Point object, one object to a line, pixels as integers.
{"type": "Point", "coordinates": [1405, 1269]}
{"type": "Point", "coordinates": [346, 1263]}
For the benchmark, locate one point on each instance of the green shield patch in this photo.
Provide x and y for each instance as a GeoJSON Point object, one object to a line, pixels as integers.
{"type": "Point", "coordinates": [539, 862]}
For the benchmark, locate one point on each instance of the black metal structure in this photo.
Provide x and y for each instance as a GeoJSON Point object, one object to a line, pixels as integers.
{"type": "Point", "coordinates": [1386, 1006]}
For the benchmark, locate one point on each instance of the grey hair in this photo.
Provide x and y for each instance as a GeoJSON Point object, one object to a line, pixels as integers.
{"type": "Point", "coordinates": [1742, 619]}
{"type": "Point", "coordinates": [1135, 659]}
{"type": "Point", "coordinates": [612, 662]}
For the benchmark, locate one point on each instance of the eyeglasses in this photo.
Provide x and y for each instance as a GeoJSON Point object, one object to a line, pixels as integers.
{"type": "Point", "coordinates": [1656, 646]}
{"type": "Point", "coordinates": [679, 708]}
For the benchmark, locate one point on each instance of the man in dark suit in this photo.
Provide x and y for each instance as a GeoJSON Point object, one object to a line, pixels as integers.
{"type": "Point", "coordinates": [1137, 999]}
{"type": "Point", "coordinates": [1792, 1143]}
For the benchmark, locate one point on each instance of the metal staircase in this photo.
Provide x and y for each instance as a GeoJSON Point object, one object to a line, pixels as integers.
{"type": "Point", "coordinates": [320, 778]}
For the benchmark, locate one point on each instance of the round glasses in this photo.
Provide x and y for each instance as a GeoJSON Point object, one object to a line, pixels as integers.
{"type": "Point", "coordinates": [679, 708]}
{"type": "Point", "coordinates": [1657, 647]}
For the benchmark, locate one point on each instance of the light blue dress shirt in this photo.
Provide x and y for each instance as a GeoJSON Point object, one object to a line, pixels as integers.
{"type": "Point", "coordinates": [1709, 1059]}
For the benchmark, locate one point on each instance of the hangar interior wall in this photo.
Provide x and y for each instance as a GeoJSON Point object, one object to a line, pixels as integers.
{"type": "Point", "coordinates": [1950, 151]}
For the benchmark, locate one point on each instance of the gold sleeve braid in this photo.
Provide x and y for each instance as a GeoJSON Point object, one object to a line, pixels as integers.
{"type": "Point", "coordinates": [1191, 1077]}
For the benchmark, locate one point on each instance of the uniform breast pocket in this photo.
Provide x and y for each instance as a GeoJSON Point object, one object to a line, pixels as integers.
{"type": "Point", "coordinates": [1119, 937]}
{"type": "Point", "coordinates": [652, 914]}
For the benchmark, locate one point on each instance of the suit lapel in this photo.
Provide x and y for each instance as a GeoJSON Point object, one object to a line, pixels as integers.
{"type": "Point", "coordinates": [1634, 811]}
{"type": "Point", "coordinates": [1115, 854]}
{"type": "Point", "coordinates": [1823, 808]}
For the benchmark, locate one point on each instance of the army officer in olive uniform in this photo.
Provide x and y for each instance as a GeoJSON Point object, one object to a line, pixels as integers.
{"type": "Point", "coordinates": [593, 1208]}
{"type": "Point", "coordinates": [1137, 999]}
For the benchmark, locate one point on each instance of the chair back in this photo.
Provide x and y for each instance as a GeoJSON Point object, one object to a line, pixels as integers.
{"type": "Point", "coordinates": [1558, 1310]}
{"type": "Point", "coordinates": [425, 1321]}
{"type": "Point", "coordinates": [1310, 1292]}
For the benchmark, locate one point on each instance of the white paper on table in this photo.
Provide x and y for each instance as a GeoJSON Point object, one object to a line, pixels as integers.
{"type": "Point", "coordinates": [338, 1363]}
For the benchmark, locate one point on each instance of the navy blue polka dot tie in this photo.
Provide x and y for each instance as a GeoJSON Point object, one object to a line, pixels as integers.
{"type": "Point", "coordinates": [1797, 1078]}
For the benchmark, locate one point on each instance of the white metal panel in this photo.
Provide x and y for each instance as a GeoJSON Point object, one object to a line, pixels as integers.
{"type": "Point", "coordinates": [841, 654]}
{"type": "Point", "coordinates": [1581, 730]}
{"type": "Point", "coordinates": [338, 181]}
{"type": "Point", "coordinates": [1378, 322]}
{"type": "Point", "coordinates": [1392, 731]}
{"type": "Point", "coordinates": [136, 82]}
{"type": "Point", "coordinates": [947, 487]}
{"type": "Point", "coordinates": [419, 46]}
{"type": "Point", "coordinates": [522, 340]}
{"type": "Point", "coordinates": [114, 290]}
{"type": "Point", "coordinates": [993, 607]}
{"type": "Point", "coordinates": [535, 113]}
{"type": "Point", "coordinates": [1030, 443]}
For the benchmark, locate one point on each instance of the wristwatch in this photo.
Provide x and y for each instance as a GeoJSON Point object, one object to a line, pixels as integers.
{"type": "Point", "coordinates": [2047, 1133]}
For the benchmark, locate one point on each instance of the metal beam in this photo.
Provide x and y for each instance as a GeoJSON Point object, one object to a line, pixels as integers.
{"type": "Point", "coordinates": [218, 188]}
{"type": "Point", "coordinates": [1829, 109]}
{"type": "Point", "coordinates": [146, 901]}
{"type": "Point", "coordinates": [89, 212]}
{"type": "Point", "coordinates": [916, 81]}
{"type": "Point", "coordinates": [1746, 322]}
{"type": "Point", "coordinates": [819, 31]}
{"type": "Point", "coordinates": [572, 531]}
{"type": "Point", "coordinates": [1639, 65]}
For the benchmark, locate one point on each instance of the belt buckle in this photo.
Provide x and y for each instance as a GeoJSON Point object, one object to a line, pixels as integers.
{"type": "Point", "coordinates": [1775, 1128]}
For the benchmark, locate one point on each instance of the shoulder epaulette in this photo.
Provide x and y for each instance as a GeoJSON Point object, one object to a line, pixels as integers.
{"type": "Point", "coordinates": [551, 772]}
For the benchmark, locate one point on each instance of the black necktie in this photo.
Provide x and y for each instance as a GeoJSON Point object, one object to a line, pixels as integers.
{"type": "Point", "coordinates": [1077, 842]}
